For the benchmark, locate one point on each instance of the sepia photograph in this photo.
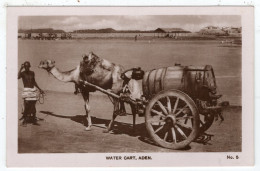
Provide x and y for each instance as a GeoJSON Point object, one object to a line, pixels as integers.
{"type": "Point", "coordinates": [179, 74]}
{"type": "Point", "coordinates": [140, 84]}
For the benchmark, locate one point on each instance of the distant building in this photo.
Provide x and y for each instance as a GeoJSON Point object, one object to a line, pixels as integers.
{"type": "Point", "coordinates": [42, 34]}
{"type": "Point", "coordinates": [212, 30]}
{"type": "Point", "coordinates": [21, 35]}
{"type": "Point", "coordinates": [171, 32]}
{"type": "Point", "coordinates": [232, 30]}
{"type": "Point", "coordinates": [66, 36]}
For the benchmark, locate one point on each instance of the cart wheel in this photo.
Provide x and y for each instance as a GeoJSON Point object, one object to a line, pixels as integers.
{"type": "Point", "coordinates": [172, 119]}
{"type": "Point", "coordinates": [206, 120]}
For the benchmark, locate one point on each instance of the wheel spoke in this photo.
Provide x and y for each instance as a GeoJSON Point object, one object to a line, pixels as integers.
{"type": "Point", "coordinates": [184, 126]}
{"type": "Point", "coordinates": [181, 110]}
{"type": "Point", "coordinates": [202, 123]}
{"type": "Point", "coordinates": [184, 117]}
{"type": "Point", "coordinates": [156, 121]}
{"type": "Point", "coordinates": [165, 136]}
{"type": "Point", "coordinates": [162, 107]}
{"type": "Point", "coordinates": [175, 105]}
{"type": "Point", "coordinates": [173, 135]}
{"type": "Point", "coordinates": [158, 113]}
{"type": "Point", "coordinates": [169, 106]}
{"type": "Point", "coordinates": [157, 130]}
{"type": "Point", "coordinates": [181, 132]}
{"type": "Point", "coordinates": [186, 120]}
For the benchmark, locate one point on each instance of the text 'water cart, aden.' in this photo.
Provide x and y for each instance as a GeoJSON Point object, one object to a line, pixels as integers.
{"type": "Point", "coordinates": [179, 103]}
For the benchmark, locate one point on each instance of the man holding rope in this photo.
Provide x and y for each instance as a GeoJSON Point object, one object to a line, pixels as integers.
{"type": "Point", "coordinates": [29, 93]}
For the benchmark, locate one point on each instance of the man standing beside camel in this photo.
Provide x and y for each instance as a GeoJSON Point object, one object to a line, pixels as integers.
{"type": "Point", "coordinates": [29, 92]}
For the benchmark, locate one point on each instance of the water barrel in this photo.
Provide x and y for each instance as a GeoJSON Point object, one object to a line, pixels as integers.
{"type": "Point", "coordinates": [166, 78]}
{"type": "Point", "coordinates": [188, 79]}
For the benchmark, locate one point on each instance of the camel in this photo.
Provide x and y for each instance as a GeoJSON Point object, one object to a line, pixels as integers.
{"type": "Point", "coordinates": [99, 72]}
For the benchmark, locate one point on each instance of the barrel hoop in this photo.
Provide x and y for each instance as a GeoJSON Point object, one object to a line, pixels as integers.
{"type": "Point", "coordinates": [183, 79]}
{"type": "Point", "coordinates": [163, 77]}
{"type": "Point", "coordinates": [154, 81]}
{"type": "Point", "coordinates": [157, 80]}
{"type": "Point", "coordinates": [147, 83]}
{"type": "Point", "coordinates": [161, 83]}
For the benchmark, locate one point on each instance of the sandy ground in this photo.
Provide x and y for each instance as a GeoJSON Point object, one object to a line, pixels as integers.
{"type": "Point", "coordinates": [63, 131]}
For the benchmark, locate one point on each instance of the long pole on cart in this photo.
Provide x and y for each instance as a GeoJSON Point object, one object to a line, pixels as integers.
{"type": "Point", "coordinates": [106, 91]}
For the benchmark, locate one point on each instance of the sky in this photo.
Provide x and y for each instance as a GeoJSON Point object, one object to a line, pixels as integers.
{"type": "Point", "coordinates": [134, 22]}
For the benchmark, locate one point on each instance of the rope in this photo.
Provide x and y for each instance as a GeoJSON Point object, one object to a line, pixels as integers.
{"type": "Point", "coordinates": [22, 105]}
{"type": "Point", "coordinates": [110, 98]}
{"type": "Point", "coordinates": [41, 98]}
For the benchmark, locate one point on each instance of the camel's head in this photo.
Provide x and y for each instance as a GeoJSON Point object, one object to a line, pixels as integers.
{"type": "Point", "coordinates": [47, 64]}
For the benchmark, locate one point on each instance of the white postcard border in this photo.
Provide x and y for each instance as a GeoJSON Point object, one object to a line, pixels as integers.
{"type": "Point", "coordinates": [159, 159]}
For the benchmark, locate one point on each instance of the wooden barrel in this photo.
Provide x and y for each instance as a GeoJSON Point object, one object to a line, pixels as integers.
{"type": "Point", "coordinates": [157, 80]}
{"type": "Point", "coordinates": [188, 79]}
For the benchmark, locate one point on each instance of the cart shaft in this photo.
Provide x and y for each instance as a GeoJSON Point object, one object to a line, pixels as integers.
{"type": "Point", "coordinates": [100, 89]}
{"type": "Point", "coordinates": [108, 92]}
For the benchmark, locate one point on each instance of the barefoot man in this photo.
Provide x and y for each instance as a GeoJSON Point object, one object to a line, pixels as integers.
{"type": "Point", "coordinates": [29, 92]}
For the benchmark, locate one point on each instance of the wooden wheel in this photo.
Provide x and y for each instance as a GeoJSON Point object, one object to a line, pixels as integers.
{"type": "Point", "coordinates": [172, 119]}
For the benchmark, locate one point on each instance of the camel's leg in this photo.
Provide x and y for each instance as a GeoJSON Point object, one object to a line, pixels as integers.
{"type": "Point", "coordinates": [122, 110]}
{"type": "Point", "coordinates": [133, 108]}
{"type": "Point", "coordinates": [87, 108]}
{"type": "Point", "coordinates": [116, 110]}
{"type": "Point", "coordinates": [111, 123]}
